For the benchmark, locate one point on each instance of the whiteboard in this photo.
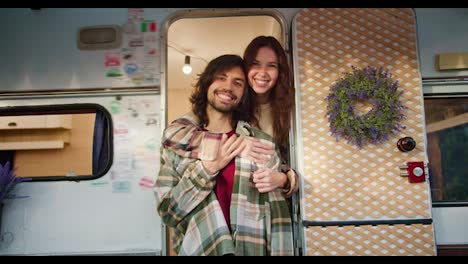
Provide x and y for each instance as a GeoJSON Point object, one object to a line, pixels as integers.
{"type": "Point", "coordinates": [115, 214]}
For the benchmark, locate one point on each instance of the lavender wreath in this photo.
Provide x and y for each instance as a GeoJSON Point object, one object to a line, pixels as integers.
{"type": "Point", "coordinates": [371, 85]}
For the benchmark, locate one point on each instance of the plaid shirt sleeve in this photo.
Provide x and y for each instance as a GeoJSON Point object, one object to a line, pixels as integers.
{"type": "Point", "coordinates": [182, 184]}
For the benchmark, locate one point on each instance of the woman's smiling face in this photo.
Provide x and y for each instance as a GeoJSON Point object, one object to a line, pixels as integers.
{"type": "Point", "coordinates": [263, 73]}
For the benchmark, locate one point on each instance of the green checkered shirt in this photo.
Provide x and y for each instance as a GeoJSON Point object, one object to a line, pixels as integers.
{"type": "Point", "coordinates": [260, 222]}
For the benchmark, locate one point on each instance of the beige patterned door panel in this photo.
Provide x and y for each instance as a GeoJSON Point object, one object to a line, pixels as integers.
{"type": "Point", "coordinates": [354, 201]}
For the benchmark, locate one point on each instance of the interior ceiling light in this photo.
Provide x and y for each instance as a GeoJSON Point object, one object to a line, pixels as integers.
{"type": "Point", "coordinates": [187, 69]}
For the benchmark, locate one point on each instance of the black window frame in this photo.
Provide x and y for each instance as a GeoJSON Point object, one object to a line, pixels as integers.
{"type": "Point", "coordinates": [79, 108]}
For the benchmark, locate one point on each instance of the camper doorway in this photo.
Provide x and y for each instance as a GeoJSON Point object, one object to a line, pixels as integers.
{"type": "Point", "coordinates": [201, 36]}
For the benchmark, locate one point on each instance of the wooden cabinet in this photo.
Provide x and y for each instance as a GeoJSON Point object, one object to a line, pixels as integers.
{"type": "Point", "coordinates": [34, 132]}
{"type": "Point", "coordinates": [35, 122]}
{"type": "Point", "coordinates": [58, 121]}
{"type": "Point", "coordinates": [22, 122]}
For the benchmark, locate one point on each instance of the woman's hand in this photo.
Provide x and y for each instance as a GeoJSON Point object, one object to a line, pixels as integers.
{"type": "Point", "coordinates": [256, 151]}
{"type": "Point", "coordinates": [266, 179]}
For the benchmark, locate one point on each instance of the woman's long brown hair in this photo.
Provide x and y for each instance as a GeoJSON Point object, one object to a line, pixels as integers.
{"type": "Point", "coordinates": [282, 94]}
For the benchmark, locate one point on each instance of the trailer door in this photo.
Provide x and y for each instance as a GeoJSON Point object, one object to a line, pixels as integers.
{"type": "Point", "coordinates": [355, 201]}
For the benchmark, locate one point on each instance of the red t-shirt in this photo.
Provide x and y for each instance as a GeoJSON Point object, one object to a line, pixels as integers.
{"type": "Point", "coordinates": [224, 185]}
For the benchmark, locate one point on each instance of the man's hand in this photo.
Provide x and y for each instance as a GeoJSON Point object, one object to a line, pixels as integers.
{"type": "Point", "coordinates": [256, 151]}
{"type": "Point", "coordinates": [228, 149]}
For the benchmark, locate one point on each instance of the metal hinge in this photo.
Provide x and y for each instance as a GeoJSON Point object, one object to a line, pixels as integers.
{"type": "Point", "coordinates": [296, 226]}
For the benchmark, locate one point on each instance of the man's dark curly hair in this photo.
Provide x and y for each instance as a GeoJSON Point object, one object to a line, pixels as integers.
{"type": "Point", "coordinates": [199, 97]}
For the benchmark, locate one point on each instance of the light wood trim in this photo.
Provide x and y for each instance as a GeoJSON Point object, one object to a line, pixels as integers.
{"type": "Point", "coordinates": [59, 121]}
{"type": "Point", "coordinates": [32, 135]}
{"type": "Point", "coordinates": [447, 123]}
{"type": "Point", "coordinates": [22, 122]}
{"type": "Point", "coordinates": [35, 122]}
{"type": "Point", "coordinates": [32, 145]}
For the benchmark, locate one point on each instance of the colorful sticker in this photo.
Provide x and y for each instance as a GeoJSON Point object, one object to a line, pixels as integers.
{"type": "Point", "coordinates": [112, 59]}
{"type": "Point", "coordinates": [121, 186]}
{"type": "Point", "coordinates": [113, 72]}
{"type": "Point", "coordinates": [128, 54]}
{"type": "Point", "coordinates": [135, 42]}
{"type": "Point", "coordinates": [138, 78]}
{"type": "Point", "coordinates": [130, 68]}
{"type": "Point", "coordinates": [146, 183]}
{"type": "Point", "coordinates": [148, 26]}
{"type": "Point", "coordinates": [116, 107]}
{"type": "Point", "coordinates": [151, 144]}
{"type": "Point", "coordinates": [135, 14]}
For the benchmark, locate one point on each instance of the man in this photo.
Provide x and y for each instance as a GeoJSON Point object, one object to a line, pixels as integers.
{"type": "Point", "coordinates": [203, 190]}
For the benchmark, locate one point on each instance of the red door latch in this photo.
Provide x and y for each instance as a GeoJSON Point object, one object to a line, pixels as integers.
{"type": "Point", "coordinates": [414, 171]}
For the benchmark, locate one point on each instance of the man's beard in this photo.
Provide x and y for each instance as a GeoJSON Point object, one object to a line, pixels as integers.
{"type": "Point", "coordinates": [220, 107]}
{"type": "Point", "coordinates": [225, 109]}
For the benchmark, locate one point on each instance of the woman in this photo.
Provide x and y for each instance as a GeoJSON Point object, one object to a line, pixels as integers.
{"type": "Point", "coordinates": [269, 76]}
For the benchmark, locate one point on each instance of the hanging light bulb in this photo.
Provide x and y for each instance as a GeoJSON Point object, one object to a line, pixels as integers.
{"type": "Point", "coordinates": [187, 69]}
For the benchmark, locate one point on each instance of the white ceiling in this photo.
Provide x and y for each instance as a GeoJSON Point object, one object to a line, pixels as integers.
{"type": "Point", "coordinates": [206, 38]}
